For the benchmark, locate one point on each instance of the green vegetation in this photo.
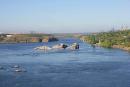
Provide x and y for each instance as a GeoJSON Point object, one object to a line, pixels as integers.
{"type": "Point", "coordinates": [109, 39]}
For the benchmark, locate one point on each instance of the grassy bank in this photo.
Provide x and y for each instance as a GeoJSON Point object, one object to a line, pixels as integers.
{"type": "Point", "coordinates": [113, 39]}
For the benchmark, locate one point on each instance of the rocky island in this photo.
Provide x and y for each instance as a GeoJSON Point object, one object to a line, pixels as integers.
{"type": "Point", "coordinates": [26, 38]}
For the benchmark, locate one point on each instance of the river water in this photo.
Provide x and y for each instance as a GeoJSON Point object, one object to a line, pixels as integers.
{"type": "Point", "coordinates": [86, 67]}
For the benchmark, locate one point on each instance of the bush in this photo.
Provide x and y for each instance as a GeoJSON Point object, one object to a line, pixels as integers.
{"type": "Point", "coordinates": [107, 44]}
{"type": "Point", "coordinates": [127, 44]}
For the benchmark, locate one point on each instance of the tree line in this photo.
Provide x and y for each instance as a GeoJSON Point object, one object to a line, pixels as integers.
{"type": "Point", "coordinates": [108, 39]}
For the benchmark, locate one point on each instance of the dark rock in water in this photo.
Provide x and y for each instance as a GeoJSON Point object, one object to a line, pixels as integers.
{"type": "Point", "coordinates": [64, 46]}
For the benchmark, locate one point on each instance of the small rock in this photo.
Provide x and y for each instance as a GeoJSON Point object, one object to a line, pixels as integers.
{"type": "Point", "coordinates": [16, 66]}
{"type": "Point", "coordinates": [18, 70]}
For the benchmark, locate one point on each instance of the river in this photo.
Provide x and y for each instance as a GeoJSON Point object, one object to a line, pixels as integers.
{"type": "Point", "coordinates": [86, 67]}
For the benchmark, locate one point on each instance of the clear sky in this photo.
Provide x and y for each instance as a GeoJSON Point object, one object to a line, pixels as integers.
{"type": "Point", "coordinates": [51, 16]}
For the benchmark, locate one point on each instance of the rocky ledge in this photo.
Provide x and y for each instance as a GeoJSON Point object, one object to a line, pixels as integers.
{"type": "Point", "coordinates": [121, 47]}
{"type": "Point", "coordinates": [27, 38]}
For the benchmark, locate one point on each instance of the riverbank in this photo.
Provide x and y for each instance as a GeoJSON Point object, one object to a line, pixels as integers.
{"type": "Point", "coordinates": [115, 47]}
{"type": "Point", "coordinates": [114, 39]}
{"type": "Point", "coordinates": [121, 47]}
{"type": "Point", "coordinates": [26, 38]}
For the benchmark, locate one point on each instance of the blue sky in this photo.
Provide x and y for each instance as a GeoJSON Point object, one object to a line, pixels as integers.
{"type": "Point", "coordinates": [56, 16]}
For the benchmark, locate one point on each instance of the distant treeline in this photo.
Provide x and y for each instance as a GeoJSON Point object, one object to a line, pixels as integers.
{"type": "Point", "coordinates": [109, 39]}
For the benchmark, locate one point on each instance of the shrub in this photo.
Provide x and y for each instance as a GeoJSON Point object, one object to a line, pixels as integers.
{"type": "Point", "coordinates": [107, 44]}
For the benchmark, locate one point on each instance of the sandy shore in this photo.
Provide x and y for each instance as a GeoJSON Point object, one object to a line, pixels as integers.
{"type": "Point", "coordinates": [121, 47]}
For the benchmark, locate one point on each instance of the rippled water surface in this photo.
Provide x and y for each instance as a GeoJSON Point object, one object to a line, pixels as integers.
{"type": "Point", "coordinates": [86, 67]}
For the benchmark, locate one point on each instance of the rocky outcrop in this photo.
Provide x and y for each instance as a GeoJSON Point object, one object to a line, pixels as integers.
{"type": "Point", "coordinates": [27, 39]}
{"type": "Point", "coordinates": [60, 46]}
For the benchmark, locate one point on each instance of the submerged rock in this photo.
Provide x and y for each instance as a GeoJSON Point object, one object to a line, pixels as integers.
{"type": "Point", "coordinates": [16, 66]}
{"type": "Point", "coordinates": [20, 70]}
{"type": "Point", "coordinates": [1, 67]}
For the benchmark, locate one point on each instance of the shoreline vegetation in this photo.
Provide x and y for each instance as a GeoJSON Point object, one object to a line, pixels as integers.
{"type": "Point", "coordinates": [113, 39]}
{"type": "Point", "coordinates": [26, 38]}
